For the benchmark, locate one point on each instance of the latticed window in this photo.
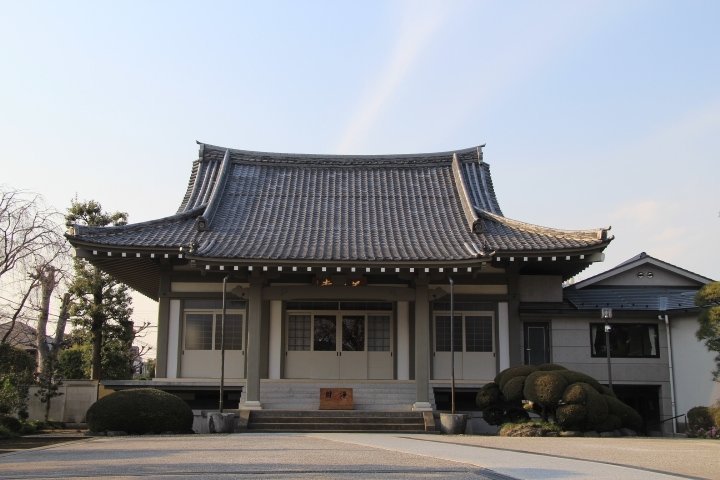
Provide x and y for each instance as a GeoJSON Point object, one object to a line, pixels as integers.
{"type": "Point", "coordinates": [478, 333]}
{"type": "Point", "coordinates": [299, 332]}
{"type": "Point", "coordinates": [233, 331]}
{"type": "Point", "coordinates": [442, 333]}
{"type": "Point", "coordinates": [378, 333]}
{"type": "Point", "coordinates": [198, 331]}
{"type": "Point", "coordinates": [203, 328]}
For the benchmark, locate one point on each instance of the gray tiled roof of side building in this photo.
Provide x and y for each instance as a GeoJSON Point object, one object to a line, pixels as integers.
{"type": "Point", "coordinates": [342, 208]}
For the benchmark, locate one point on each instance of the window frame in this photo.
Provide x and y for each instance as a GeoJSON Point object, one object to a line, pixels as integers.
{"type": "Point", "coordinates": [595, 346]}
{"type": "Point", "coordinates": [463, 314]}
{"type": "Point", "coordinates": [215, 329]}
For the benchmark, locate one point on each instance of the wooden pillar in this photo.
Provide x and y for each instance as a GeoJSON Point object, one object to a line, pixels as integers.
{"type": "Point", "coordinates": [422, 346]}
{"type": "Point", "coordinates": [161, 360]}
{"type": "Point", "coordinates": [254, 345]}
{"type": "Point", "coordinates": [515, 333]}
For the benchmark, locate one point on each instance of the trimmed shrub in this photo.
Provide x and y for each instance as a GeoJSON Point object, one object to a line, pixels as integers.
{"type": "Point", "coordinates": [550, 367]}
{"type": "Point", "coordinates": [545, 387]}
{"type": "Point", "coordinates": [513, 389]}
{"type": "Point", "coordinates": [508, 373]}
{"type": "Point", "coordinates": [571, 417]}
{"type": "Point", "coordinates": [11, 423]}
{"type": "Point", "coordinates": [494, 415]}
{"type": "Point", "coordinates": [576, 393]}
{"type": "Point", "coordinates": [700, 418]}
{"type": "Point", "coordinates": [488, 395]}
{"type": "Point", "coordinates": [140, 410]}
{"type": "Point", "coordinates": [517, 415]}
{"type": "Point", "coordinates": [628, 416]}
{"type": "Point", "coordinates": [575, 377]}
{"type": "Point", "coordinates": [597, 408]}
{"type": "Point", "coordinates": [610, 423]}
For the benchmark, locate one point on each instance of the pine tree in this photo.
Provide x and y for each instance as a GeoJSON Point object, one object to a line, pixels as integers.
{"type": "Point", "coordinates": [102, 306]}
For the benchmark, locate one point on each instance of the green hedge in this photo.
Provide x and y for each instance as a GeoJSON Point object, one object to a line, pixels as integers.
{"type": "Point", "coordinates": [140, 410]}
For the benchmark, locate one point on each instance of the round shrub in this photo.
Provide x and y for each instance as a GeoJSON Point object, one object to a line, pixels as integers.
{"type": "Point", "coordinates": [628, 416]}
{"type": "Point", "coordinates": [700, 417]}
{"type": "Point", "coordinates": [11, 423]}
{"type": "Point", "coordinates": [575, 377]}
{"type": "Point", "coordinates": [545, 387]}
{"type": "Point", "coordinates": [513, 389]}
{"type": "Point", "coordinates": [494, 415]}
{"type": "Point", "coordinates": [550, 367]}
{"type": "Point", "coordinates": [508, 373]}
{"type": "Point", "coordinates": [576, 393]}
{"type": "Point", "coordinates": [571, 417]}
{"type": "Point", "coordinates": [610, 423]}
{"type": "Point", "coordinates": [597, 407]}
{"type": "Point", "coordinates": [517, 415]}
{"type": "Point", "coordinates": [488, 395]}
{"type": "Point", "coordinates": [140, 410]}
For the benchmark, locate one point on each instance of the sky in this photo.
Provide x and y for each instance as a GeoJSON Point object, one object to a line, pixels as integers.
{"type": "Point", "coordinates": [595, 114]}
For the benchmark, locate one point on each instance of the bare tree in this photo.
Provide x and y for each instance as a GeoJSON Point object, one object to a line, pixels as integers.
{"type": "Point", "coordinates": [31, 245]}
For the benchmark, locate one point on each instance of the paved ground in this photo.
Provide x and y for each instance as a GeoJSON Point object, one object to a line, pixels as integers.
{"type": "Point", "coordinates": [338, 455]}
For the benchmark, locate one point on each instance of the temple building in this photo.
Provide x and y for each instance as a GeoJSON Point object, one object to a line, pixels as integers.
{"type": "Point", "coordinates": [337, 271]}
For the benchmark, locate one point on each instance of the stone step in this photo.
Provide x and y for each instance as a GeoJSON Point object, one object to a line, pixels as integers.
{"type": "Point", "coordinates": [337, 421]}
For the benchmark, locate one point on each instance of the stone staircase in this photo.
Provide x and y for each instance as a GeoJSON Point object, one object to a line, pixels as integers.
{"type": "Point", "coordinates": [301, 395]}
{"type": "Point", "coordinates": [336, 421]}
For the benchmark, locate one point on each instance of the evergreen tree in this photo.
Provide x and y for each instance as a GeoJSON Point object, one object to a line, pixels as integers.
{"type": "Point", "coordinates": [708, 298]}
{"type": "Point", "coordinates": [102, 306]}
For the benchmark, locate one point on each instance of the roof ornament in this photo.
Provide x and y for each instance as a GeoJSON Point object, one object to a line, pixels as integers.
{"type": "Point", "coordinates": [480, 152]}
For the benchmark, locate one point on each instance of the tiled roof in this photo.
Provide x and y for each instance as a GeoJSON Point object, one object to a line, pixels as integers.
{"type": "Point", "coordinates": [632, 298]}
{"type": "Point", "coordinates": [255, 206]}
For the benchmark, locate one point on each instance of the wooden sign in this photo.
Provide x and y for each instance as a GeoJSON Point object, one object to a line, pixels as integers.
{"type": "Point", "coordinates": [336, 399]}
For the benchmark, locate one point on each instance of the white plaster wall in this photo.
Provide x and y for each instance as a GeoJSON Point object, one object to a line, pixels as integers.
{"type": "Point", "coordinates": [660, 277]}
{"type": "Point", "coordinates": [693, 365]}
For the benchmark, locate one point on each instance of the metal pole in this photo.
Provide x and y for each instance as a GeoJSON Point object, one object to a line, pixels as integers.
{"type": "Point", "coordinates": [607, 350]}
{"type": "Point", "coordinates": [606, 314]}
{"type": "Point", "coordinates": [222, 344]}
{"type": "Point", "coordinates": [452, 347]}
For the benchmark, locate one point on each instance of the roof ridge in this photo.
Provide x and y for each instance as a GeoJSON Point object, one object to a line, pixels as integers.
{"type": "Point", "coordinates": [599, 233]}
{"type": "Point", "coordinates": [475, 151]}
{"type": "Point", "coordinates": [76, 229]}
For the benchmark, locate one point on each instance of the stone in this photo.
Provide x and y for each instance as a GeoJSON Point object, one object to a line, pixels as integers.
{"type": "Point", "coordinates": [571, 433]}
{"type": "Point", "coordinates": [592, 434]}
{"type": "Point", "coordinates": [627, 432]}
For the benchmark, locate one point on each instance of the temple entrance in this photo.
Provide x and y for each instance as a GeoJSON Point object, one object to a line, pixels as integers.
{"type": "Point", "coordinates": [339, 345]}
{"type": "Point", "coordinates": [474, 345]}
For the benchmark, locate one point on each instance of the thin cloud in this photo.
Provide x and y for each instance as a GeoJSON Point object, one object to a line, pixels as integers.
{"type": "Point", "coordinates": [419, 26]}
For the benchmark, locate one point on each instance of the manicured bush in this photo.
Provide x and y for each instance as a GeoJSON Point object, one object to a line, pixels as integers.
{"type": "Point", "coordinates": [489, 394]}
{"type": "Point", "coordinates": [494, 415]}
{"type": "Point", "coordinates": [545, 387]}
{"type": "Point", "coordinates": [700, 418]}
{"type": "Point", "coordinates": [628, 416]}
{"type": "Point", "coordinates": [513, 389]}
{"type": "Point", "coordinates": [571, 417]}
{"type": "Point", "coordinates": [575, 377]}
{"type": "Point", "coordinates": [11, 423]}
{"type": "Point", "coordinates": [550, 367]}
{"type": "Point", "coordinates": [140, 410]}
{"type": "Point", "coordinates": [576, 393]}
{"type": "Point", "coordinates": [520, 371]}
{"type": "Point", "coordinates": [610, 422]}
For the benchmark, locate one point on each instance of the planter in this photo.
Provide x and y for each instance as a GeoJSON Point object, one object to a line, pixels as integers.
{"type": "Point", "coordinates": [221, 422]}
{"type": "Point", "coordinates": [453, 423]}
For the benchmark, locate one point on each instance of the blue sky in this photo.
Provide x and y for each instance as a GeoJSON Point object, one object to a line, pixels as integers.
{"type": "Point", "coordinates": [594, 113]}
